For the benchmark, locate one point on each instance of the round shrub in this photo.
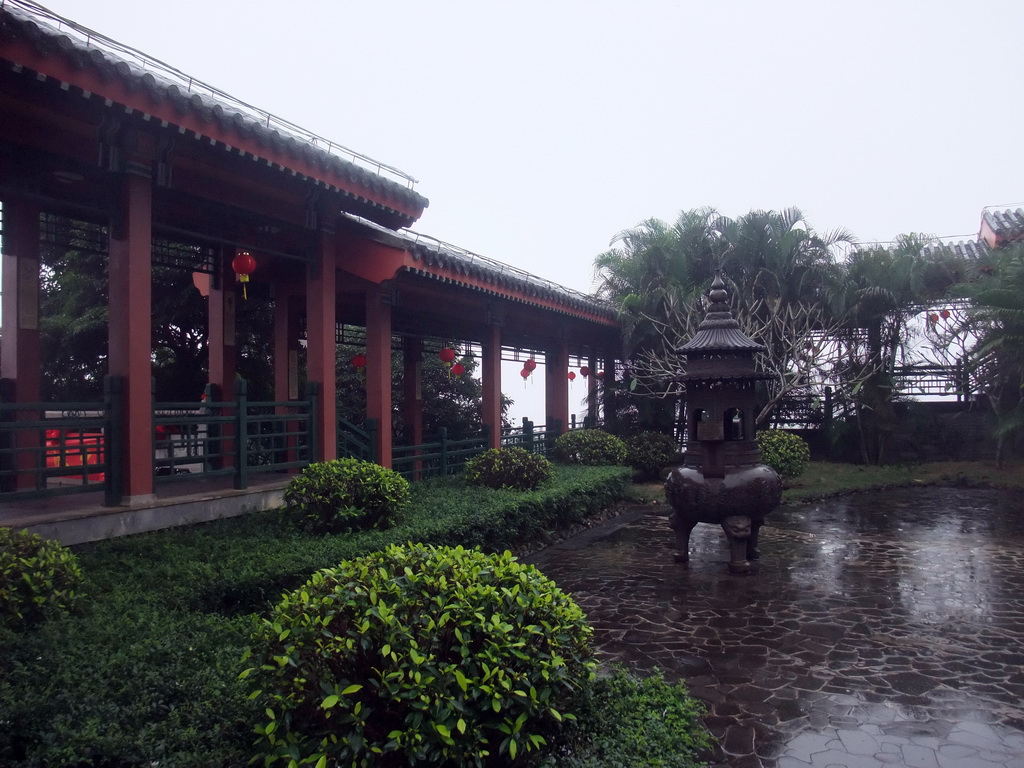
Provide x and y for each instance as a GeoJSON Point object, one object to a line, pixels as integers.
{"type": "Point", "coordinates": [344, 495]}
{"type": "Point", "coordinates": [419, 655]}
{"type": "Point", "coordinates": [650, 452]}
{"type": "Point", "coordinates": [37, 576]}
{"type": "Point", "coordinates": [784, 452]}
{"type": "Point", "coordinates": [592, 447]}
{"type": "Point", "coordinates": [514, 468]}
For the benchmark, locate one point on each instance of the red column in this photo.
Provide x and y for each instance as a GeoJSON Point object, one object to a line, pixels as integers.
{"type": "Point", "coordinates": [490, 372]}
{"type": "Point", "coordinates": [412, 390]}
{"type": "Point", "coordinates": [20, 360]}
{"type": "Point", "coordinates": [131, 331]}
{"type": "Point", "coordinates": [556, 385]}
{"type": "Point", "coordinates": [321, 322]}
{"type": "Point", "coordinates": [592, 404]}
{"type": "Point", "coordinates": [286, 345]}
{"type": "Point", "coordinates": [378, 370]}
{"type": "Point", "coordinates": [286, 357]}
{"type": "Point", "coordinates": [223, 359]}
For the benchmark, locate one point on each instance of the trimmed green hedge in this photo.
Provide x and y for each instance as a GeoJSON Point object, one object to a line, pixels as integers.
{"type": "Point", "coordinates": [148, 670]}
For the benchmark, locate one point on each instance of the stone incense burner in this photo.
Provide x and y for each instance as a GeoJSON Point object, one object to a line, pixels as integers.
{"type": "Point", "coordinates": [722, 479]}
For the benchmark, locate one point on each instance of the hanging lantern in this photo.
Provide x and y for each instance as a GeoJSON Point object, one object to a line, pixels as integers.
{"type": "Point", "coordinates": [359, 361]}
{"type": "Point", "coordinates": [933, 319]}
{"type": "Point", "coordinates": [458, 369]}
{"type": "Point", "coordinates": [244, 265]}
{"type": "Point", "coordinates": [945, 314]}
{"type": "Point", "coordinates": [584, 371]}
{"type": "Point", "coordinates": [530, 365]}
{"type": "Point", "coordinates": [572, 376]}
{"type": "Point", "coordinates": [600, 374]}
{"type": "Point", "coordinates": [447, 355]}
{"type": "Point", "coordinates": [525, 374]}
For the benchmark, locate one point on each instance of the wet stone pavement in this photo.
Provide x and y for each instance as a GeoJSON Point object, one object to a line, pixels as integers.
{"type": "Point", "coordinates": [877, 630]}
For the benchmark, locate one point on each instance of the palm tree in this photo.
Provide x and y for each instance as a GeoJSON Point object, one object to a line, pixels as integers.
{"type": "Point", "coordinates": [998, 356]}
{"type": "Point", "coordinates": [882, 289]}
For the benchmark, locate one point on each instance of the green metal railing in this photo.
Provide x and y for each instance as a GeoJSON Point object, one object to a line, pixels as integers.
{"type": "Point", "coordinates": [536, 440]}
{"type": "Point", "coordinates": [357, 442]}
{"type": "Point", "coordinates": [52, 450]}
{"type": "Point", "coordinates": [49, 449]}
{"type": "Point", "coordinates": [440, 457]}
{"type": "Point", "coordinates": [236, 437]}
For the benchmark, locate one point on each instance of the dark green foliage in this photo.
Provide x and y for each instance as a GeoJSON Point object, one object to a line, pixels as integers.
{"type": "Point", "coordinates": [346, 494]}
{"type": "Point", "coordinates": [37, 577]}
{"type": "Point", "coordinates": [631, 721]}
{"type": "Point", "coordinates": [419, 655]}
{"type": "Point", "coordinates": [650, 452]}
{"type": "Point", "coordinates": [592, 447]}
{"type": "Point", "coordinates": [514, 468]}
{"type": "Point", "coordinates": [148, 671]}
{"type": "Point", "coordinates": [784, 452]}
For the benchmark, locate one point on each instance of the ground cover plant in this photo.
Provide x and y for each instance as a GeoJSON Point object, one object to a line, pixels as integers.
{"type": "Point", "coordinates": [419, 655]}
{"type": "Point", "coordinates": [147, 670]}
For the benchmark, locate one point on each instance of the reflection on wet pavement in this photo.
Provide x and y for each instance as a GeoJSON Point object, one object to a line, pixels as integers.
{"type": "Point", "coordinates": [882, 629]}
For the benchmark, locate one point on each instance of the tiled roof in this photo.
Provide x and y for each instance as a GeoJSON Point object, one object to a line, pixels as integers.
{"type": "Point", "coordinates": [1007, 225]}
{"type": "Point", "coordinates": [967, 249]}
{"type": "Point", "coordinates": [510, 282]}
{"type": "Point", "coordinates": [85, 50]}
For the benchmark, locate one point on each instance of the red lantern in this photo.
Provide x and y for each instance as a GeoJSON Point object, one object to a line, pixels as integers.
{"type": "Point", "coordinates": [525, 374]}
{"type": "Point", "coordinates": [572, 376]}
{"type": "Point", "coordinates": [933, 319]}
{"type": "Point", "coordinates": [945, 314]}
{"type": "Point", "coordinates": [244, 265]}
{"type": "Point", "coordinates": [447, 355]}
{"type": "Point", "coordinates": [600, 374]}
{"type": "Point", "coordinates": [458, 369]}
{"type": "Point", "coordinates": [585, 371]}
{"type": "Point", "coordinates": [530, 364]}
{"type": "Point", "coordinates": [359, 361]}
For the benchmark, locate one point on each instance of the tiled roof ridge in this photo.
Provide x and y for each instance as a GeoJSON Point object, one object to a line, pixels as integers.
{"type": "Point", "coordinates": [27, 20]}
{"type": "Point", "coordinates": [434, 252]}
{"type": "Point", "coordinates": [1008, 223]}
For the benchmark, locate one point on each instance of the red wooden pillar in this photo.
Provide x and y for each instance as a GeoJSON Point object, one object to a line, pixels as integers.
{"type": "Point", "coordinates": [490, 372]}
{"type": "Point", "coordinates": [223, 359]}
{"type": "Point", "coordinates": [287, 307]}
{"type": "Point", "coordinates": [20, 360]}
{"type": "Point", "coordinates": [556, 385]}
{"type": "Point", "coordinates": [412, 390]}
{"type": "Point", "coordinates": [592, 399]}
{"type": "Point", "coordinates": [286, 356]}
{"type": "Point", "coordinates": [321, 342]}
{"type": "Point", "coordinates": [131, 329]}
{"type": "Point", "coordinates": [378, 370]}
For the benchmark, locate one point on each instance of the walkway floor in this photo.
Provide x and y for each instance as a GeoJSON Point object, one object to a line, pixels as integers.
{"type": "Point", "coordinates": [878, 630]}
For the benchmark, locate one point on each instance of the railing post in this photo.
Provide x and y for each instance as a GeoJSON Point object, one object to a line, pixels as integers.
{"type": "Point", "coordinates": [113, 437]}
{"type": "Point", "coordinates": [241, 434]}
{"type": "Point", "coordinates": [527, 434]}
{"type": "Point", "coordinates": [551, 435]}
{"type": "Point", "coordinates": [313, 425]}
{"type": "Point", "coordinates": [442, 436]}
{"type": "Point", "coordinates": [212, 448]}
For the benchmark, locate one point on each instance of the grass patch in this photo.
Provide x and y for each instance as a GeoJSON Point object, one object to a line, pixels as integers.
{"type": "Point", "coordinates": [146, 673]}
{"type": "Point", "coordinates": [823, 479]}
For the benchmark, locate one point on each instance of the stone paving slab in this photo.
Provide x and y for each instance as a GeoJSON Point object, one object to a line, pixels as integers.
{"type": "Point", "coordinates": [877, 630]}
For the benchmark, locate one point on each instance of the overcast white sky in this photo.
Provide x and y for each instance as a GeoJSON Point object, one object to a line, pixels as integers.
{"type": "Point", "coordinates": [539, 129]}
